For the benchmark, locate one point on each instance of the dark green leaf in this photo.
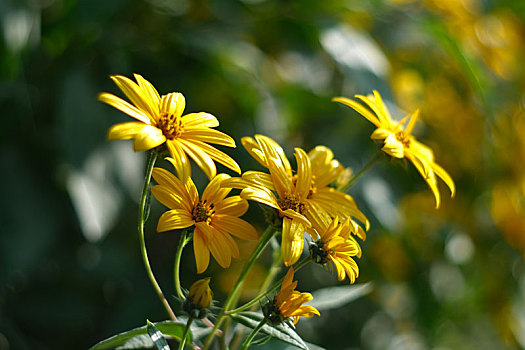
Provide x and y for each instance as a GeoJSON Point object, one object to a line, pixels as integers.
{"type": "Point", "coordinates": [261, 341]}
{"type": "Point", "coordinates": [281, 332]}
{"type": "Point", "coordinates": [334, 297]}
{"type": "Point", "coordinates": [157, 336]}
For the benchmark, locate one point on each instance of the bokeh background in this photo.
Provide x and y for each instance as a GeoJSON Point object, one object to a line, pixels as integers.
{"type": "Point", "coordinates": [454, 278]}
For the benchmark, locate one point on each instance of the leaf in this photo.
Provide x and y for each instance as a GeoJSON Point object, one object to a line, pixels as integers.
{"type": "Point", "coordinates": [280, 332]}
{"type": "Point", "coordinates": [142, 341]}
{"type": "Point", "coordinates": [334, 297]}
{"type": "Point", "coordinates": [261, 341]}
{"type": "Point", "coordinates": [167, 328]}
{"type": "Point", "coordinates": [157, 336]}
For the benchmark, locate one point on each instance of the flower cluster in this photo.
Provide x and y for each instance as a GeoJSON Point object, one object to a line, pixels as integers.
{"type": "Point", "coordinates": [306, 202]}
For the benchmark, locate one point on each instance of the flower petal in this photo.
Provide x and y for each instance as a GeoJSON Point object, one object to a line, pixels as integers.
{"type": "Point", "coordinates": [200, 157]}
{"type": "Point", "coordinates": [200, 249]}
{"type": "Point", "coordinates": [358, 108]}
{"type": "Point", "coordinates": [208, 135]}
{"type": "Point", "coordinates": [214, 193]}
{"type": "Point", "coordinates": [173, 104]}
{"type": "Point", "coordinates": [125, 107]}
{"type": "Point", "coordinates": [174, 219]}
{"type": "Point", "coordinates": [292, 241]}
{"type": "Point", "coordinates": [200, 119]}
{"type": "Point", "coordinates": [137, 96]}
{"type": "Point", "coordinates": [124, 131]}
{"type": "Point", "coordinates": [304, 174]}
{"type": "Point", "coordinates": [169, 198]}
{"type": "Point", "coordinates": [179, 160]}
{"type": "Point", "coordinates": [234, 226]}
{"type": "Point", "coordinates": [233, 206]}
{"type": "Point", "coordinates": [218, 156]}
{"type": "Point", "coordinates": [148, 137]}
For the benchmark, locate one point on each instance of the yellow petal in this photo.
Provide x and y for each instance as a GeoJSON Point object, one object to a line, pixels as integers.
{"type": "Point", "coordinates": [124, 131]}
{"type": "Point", "coordinates": [260, 195]}
{"type": "Point", "coordinates": [393, 147]}
{"type": "Point", "coordinates": [254, 149]}
{"type": "Point", "coordinates": [259, 179]}
{"type": "Point", "coordinates": [148, 89]}
{"type": "Point", "coordinates": [173, 184]}
{"type": "Point", "coordinates": [412, 122]}
{"type": "Point", "coordinates": [137, 96]}
{"type": "Point", "coordinates": [179, 160]}
{"type": "Point", "coordinates": [125, 107]}
{"type": "Point", "coordinates": [200, 249]}
{"type": "Point", "coordinates": [233, 206]}
{"type": "Point", "coordinates": [381, 134]}
{"type": "Point", "coordinates": [445, 177]}
{"type": "Point", "coordinates": [217, 246]}
{"type": "Point", "coordinates": [209, 136]}
{"type": "Point", "coordinates": [147, 138]}
{"type": "Point", "coordinates": [200, 157]}
{"type": "Point", "coordinates": [214, 193]}
{"type": "Point", "coordinates": [173, 104]}
{"type": "Point", "coordinates": [359, 109]}
{"type": "Point", "coordinates": [200, 119]}
{"type": "Point", "coordinates": [292, 241]}
{"type": "Point", "coordinates": [304, 173]}
{"type": "Point", "coordinates": [169, 198]}
{"type": "Point", "coordinates": [235, 226]}
{"type": "Point", "coordinates": [218, 156]}
{"type": "Point", "coordinates": [174, 219]}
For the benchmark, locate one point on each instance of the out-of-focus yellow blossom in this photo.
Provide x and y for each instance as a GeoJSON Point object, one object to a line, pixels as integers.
{"type": "Point", "coordinates": [289, 303]}
{"type": "Point", "coordinates": [214, 216]}
{"type": "Point", "coordinates": [508, 212]}
{"type": "Point", "coordinates": [398, 141]}
{"type": "Point", "coordinates": [336, 245]}
{"type": "Point", "coordinates": [160, 120]}
{"type": "Point", "coordinates": [200, 293]}
{"type": "Point", "coordinates": [302, 198]}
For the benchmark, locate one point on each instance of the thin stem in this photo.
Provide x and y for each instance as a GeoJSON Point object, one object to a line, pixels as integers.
{"type": "Point", "coordinates": [253, 334]}
{"type": "Point", "coordinates": [354, 178]}
{"type": "Point", "coordinates": [152, 157]}
{"type": "Point", "coordinates": [184, 239]}
{"type": "Point", "coordinates": [185, 334]}
{"type": "Point", "coordinates": [273, 288]}
{"type": "Point", "coordinates": [268, 234]}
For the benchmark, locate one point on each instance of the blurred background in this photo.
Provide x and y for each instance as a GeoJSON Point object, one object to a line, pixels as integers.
{"type": "Point", "coordinates": [454, 278]}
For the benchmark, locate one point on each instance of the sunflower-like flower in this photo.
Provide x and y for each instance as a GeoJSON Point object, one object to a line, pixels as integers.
{"type": "Point", "coordinates": [160, 121]}
{"type": "Point", "coordinates": [302, 198]}
{"type": "Point", "coordinates": [214, 216]}
{"type": "Point", "coordinates": [398, 141]}
{"type": "Point", "coordinates": [288, 303]}
{"type": "Point", "coordinates": [337, 245]}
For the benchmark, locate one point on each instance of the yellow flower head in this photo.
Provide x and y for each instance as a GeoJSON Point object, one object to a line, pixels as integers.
{"type": "Point", "coordinates": [214, 216]}
{"type": "Point", "coordinates": [160, 120]}
{"type": "Point", "coordinates": [289, 302]}
{"type": "Point", "coordinates": [301, 198]}
{"type": "Point", "coordinates": [200, 293]}
{"type": "Point", "coordinates": [398, 141]}
{"type": "Point", "coordinates": [337, 245]}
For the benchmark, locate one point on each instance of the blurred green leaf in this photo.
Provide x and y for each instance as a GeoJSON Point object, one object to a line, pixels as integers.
{"type": "Point", "coordinates": [156, 336]}
{"type": "Point", "coordinates": [335, 297]}
{"type": "Point", "coordinates": [281, 332]}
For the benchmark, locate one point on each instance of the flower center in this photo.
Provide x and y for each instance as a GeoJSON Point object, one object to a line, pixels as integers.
{"type": "Point", "coordinates": [319, 253]}
{"type": "Point", "coordinates": [289, 201]}
{"type": "Point", "coordinates": [202, 211]}
{"type": "Point", "coordinates": [170, 125]}
{"type": "Point", "coordinates": [402, 137]}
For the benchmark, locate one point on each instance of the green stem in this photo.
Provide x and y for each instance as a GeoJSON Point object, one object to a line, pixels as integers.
{"type": "Point", "coordinates": [185, 334]}
{"type": "Point", "coordinates": [354, 178]}
{"type": "Point", "coordinates": [152, 157]}
{"type": "Point", "coordinates": [184, 239]}
{"type": "Point", "coordinates": [253, 334]}
{"type": "Point", "coordinates": [268, 234]}
{"type": "Point", "coordinates": [274, 287]}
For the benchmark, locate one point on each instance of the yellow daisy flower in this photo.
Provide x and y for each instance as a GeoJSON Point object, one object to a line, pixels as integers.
{"type": "Point", "coordinates": [289, 303]}
{"type": "Point", "coordinates": [397, 140]}
{"type": "Point", "coordinates": [214, 216]}
{"type": "Point", "coordinates": [336, 244]}
{"type": "Point", "coordinates": [301, 198]}
{"type": "Point", "coordinates": [160, 120]}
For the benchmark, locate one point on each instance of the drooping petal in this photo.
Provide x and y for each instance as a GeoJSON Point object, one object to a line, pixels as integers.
{"type": "Point", "coordinates": [147, 138]}
{"type": "Point", "coordinates": [200, 249]}
{"type": "Point", "coordinates": [235, 226]}
{"type": "Point", "coordinates": [218, 156]}
{"type": "Point", "coordinates": [358, 108]}
{"type": "Point", "coordinates": [179, 160]}
{"type": "Point", "coordinates": [292, 241]}
{"type": "Point", "coordinates": [174, 219]}
{"type": "Point", "coordinates": [125, 107]}
{"type": "Point", "coordinates": [200, 157]}
{"type": "Point", "coordinates": [445, 177]}
{"type": "Point", "coordinates": [209, 136]}
{"type": "Point", "coordinates": [124, 131]}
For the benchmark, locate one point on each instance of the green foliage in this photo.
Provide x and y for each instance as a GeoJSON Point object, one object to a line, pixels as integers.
{"type": "Point", "coordinates": [334, 297]}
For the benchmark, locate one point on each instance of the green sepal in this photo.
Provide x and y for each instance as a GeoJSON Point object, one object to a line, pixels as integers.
{"type": "Point", "coordinates": [280, 332]}
{"type": "Point", "coordinates": [335, 297]}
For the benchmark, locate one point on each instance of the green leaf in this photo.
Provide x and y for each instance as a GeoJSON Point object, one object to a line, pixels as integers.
{"type": "Point", "coordinates": [261, 341]}
{"type": "Point", "coordinates": [167, 328]}
{"type": "Point", "coordinates": [334, 297]}
{"type": "Point", "coordinates": [157, 336]}
{"type": "Point", "coordinates": [281, 332]}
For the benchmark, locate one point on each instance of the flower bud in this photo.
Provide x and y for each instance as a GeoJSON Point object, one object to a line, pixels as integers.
{"type": "Point", "coordinates": [200, 293]}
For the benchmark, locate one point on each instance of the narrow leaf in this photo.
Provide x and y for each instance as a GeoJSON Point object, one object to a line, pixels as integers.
{"type": "Point", "coordinates": [281, 332]}
{"type": "Point", "coordinates": [334, 297]}
{"type": "Point", "coordinates": [156, 336]}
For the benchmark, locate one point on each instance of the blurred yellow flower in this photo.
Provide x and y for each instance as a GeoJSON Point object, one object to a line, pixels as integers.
{"type": "Point", "coordinates": [215, 217]}
{"type": "Point", "coordinates": [398, 142]}
{"type": "Point", "coordinates": [289, 302]}
{"type": "Point", "coordinates": [200, 293]}
{"type": "Point", "coordinates": [160, 120]}
{"type": "Point", "coordinates": [337, 245]}
{"type": "Point", "coordinates": [302, 198]}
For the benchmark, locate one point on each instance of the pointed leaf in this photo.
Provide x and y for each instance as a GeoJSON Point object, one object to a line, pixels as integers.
{"type": "Point", "coordinates": [157, 337]}
{"type": "Point", "coordinates": [281, 332]}
{"type": "Point", "coordinates": [334, 297]}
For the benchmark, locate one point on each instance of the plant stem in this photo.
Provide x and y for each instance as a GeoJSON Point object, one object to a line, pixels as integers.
{"type": "Point", "coordinates": [268, 234]}
{"type": "Point", "coordinates": [253, 334]}
{"type": "Point", "coordinates": [184, 239]}
{"type": "Point", "coordinates": [274, 287]}
{"type": "Point", "coordinates": [152, 157]}
{"type": "Point", "coordinates": [367, 166]}
{"type": "Point", "coordinates": [185, 334]}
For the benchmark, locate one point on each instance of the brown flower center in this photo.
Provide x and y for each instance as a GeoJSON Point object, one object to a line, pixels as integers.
{"type": "Point", "coordinates": [289, 201]}
{"type": "Point", "coordinates": [202, 211]}
{"type": "Point", "coordinates": [402, 137]}
{"type": "Point", "coordinates": [170, 125]}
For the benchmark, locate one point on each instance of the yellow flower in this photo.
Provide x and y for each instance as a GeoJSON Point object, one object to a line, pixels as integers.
{"type": "Point", "coordinates": [337, 245]}
{"type": "Point", "coordinates": [215, 217]}
{"type": "Point", "coordinates": [160, 120]}
{"type": "Point", "coordinates": [302, 198]}
{"type": "Point", "coordinates": [200, 293]}
{"type": "Point", "coordinates": [398, 142]}
{"type": "Point", "coordinates": [289, 302]}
